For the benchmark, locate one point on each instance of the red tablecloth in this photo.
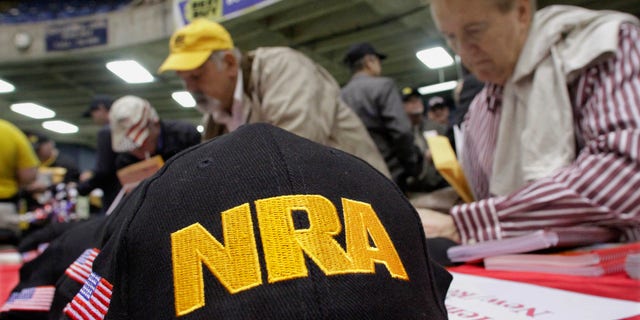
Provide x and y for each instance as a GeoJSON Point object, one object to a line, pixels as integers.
{"type": "Point", "coordinates": [9, 276]}
{"type": "Point", "coordinates": [618, 285]}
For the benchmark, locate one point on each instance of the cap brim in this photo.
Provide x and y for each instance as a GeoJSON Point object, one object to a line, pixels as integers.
{"type": "Point", "coordinates": [122, 142]}
{"type": "Point", "coordinates": [184, 61]}
{"type": "Point", "coordinates": [117, 139]}
{"type": "Point", "coordinates": [381, 56]}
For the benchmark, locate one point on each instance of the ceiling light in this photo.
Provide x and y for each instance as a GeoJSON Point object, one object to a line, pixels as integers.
{"type": "Point", "coordinates": [130, 71]}
{"type": "Point", "coordinates": [6, 87]}
{"type": "Point", "coordinates": [60, 126]}
{"type": "Point", "coordinates": [439, 87]}
{"type": "Point", "coordinates": [435, 58]}
{"type": "Point", "coordinates": [32, 110]}
{"type": "Point", "coordinates": [184, 98]}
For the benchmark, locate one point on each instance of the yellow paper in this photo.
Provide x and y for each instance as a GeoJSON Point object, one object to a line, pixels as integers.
{"type": "Point", "coordinates": [52, 175]}
{"type": "Point", "coordinates": [445, 161]}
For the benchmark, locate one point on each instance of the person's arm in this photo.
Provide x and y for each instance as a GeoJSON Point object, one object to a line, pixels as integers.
{"type": "Point", "coordinates": [27, 161]}
{"type": "Point", "coordinates": [602, 186]}
{"type": "Point", "coordinates": [26, 176]}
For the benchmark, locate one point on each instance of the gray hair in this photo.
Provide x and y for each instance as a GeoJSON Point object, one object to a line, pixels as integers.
{"type": "Point", "coordinates": [218, 56]}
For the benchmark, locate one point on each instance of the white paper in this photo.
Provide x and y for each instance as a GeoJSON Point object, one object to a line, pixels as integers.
{"type": "Point", "coordinates": [458, 137]}
{"type": "Point", "coordinates": [475, 298]}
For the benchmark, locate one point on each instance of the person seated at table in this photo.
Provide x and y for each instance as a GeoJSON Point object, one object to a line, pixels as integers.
{"type": "Point", "coordinates": [552, 139]}
{"type": "Point", "coordinates": [50, 157]}
{"type": "Point", "coordinates": [138, 133]}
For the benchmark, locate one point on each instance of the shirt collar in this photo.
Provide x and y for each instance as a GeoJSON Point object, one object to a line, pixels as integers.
{"type": "Point", "coordinates": [494, 96]}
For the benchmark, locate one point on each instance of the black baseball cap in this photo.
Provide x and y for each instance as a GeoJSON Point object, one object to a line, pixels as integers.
{"type": "Point", "coordinates": [96, 102]}
{"type": "Point", "coordinates": [262, 223]}
{"type": "Point", "coordinates": [359, 50]}
{"type": "Point", "coordinates": [409, 92]}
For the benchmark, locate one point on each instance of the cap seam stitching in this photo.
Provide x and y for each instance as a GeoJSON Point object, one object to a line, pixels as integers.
{"type": "Point", "coordinates": [144, 190]}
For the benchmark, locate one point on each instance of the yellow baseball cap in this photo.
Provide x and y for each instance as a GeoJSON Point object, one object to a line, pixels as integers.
{"type": "Point", "coordinates": [192, 44]}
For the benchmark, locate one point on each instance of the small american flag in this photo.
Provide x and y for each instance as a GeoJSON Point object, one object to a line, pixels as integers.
{"type": "Point", "coordinates": [32, 254]}
{"type": "Point", "coordinates": [92, 302]}
{"type": "Point", "coordinates": [30, 299]}
{"type": "Point", "coordinates": [80, 269]}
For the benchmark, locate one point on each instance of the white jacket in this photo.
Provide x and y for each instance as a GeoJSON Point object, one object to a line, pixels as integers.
{"type": "Point", "coordinates": [536, 134]}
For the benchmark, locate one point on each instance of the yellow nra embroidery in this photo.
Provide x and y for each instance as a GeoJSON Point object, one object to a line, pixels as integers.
{"type": "Point", "coordinates": [363, 223]}
{"type": "Point", "coordinates": [236, 263]}
{"type": "Point", "coordinates": [283, 245]}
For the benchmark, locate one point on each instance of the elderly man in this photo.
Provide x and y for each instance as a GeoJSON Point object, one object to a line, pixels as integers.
{"type": "Point", "coordinates": [138, 133]}
{"type": "Point", "coordinates": [552, 139]}
{"type": "Point", "coordinates": [276, 85]}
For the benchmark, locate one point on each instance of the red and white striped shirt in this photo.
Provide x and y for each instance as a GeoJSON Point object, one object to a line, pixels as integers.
{"type": "Point", "coordinates": [601, 187]}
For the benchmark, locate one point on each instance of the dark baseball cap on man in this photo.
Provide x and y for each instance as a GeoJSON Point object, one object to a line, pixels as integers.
{"type": "Point", "coordinates": [96, 102]}
{"type": "Point", "coordinates": [359, 50]}
{"type": "Point", "coordinates": [408, 92]}
{"type": "Point", "coordinates": [264, 224]}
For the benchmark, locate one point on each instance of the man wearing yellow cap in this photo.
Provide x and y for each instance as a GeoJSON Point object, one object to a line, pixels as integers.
{"type": "Point", "coordinates": [276, 85]}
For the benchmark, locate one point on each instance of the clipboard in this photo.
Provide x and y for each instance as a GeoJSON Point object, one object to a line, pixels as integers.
{"type": "Point", "coordinates": [130, 176]}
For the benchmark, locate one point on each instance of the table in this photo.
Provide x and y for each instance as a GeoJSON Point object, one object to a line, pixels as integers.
{"type": "Point", "coordinates": [477, 293]}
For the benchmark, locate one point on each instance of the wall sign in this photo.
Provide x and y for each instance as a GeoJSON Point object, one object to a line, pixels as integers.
{"type": "Point", "coordinates": [75, 35]}
{"type": "Point", "coordinates": [187, 10]}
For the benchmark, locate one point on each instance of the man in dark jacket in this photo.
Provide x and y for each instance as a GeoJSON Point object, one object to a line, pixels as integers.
{"type": "Point", "coordinates": [378, 103]}
{"type": "Point", "coordinates": [137, 133]}
{"type": "Point", "coordinates": [103, 176]}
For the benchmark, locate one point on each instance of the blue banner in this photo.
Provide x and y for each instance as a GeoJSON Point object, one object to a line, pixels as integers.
{"type": "Point", "coordinates": [187, 10]}
{"type": "Point", "coordinates": [75, 35]}
{"type": "Point", "coordinates": [231, 6]}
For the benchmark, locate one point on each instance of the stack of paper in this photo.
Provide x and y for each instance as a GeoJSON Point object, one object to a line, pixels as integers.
{"type": "Point", "coordinates": [541, 239]}
{"type": "Point", "coordinates": [591, 261]}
